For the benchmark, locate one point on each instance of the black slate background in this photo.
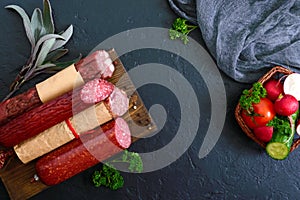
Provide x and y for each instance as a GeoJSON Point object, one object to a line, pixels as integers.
{"type": "Point", "coordinates": [236, 168]}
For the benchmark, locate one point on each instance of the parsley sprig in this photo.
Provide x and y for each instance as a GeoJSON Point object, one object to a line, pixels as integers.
{"type": "Point", "coordinates": [281, 125]}
{"type": "Point", "coordinates": [252, 96]}
{"type": "Point", "coordinates": [133, 159]}
{"type": "Point", "coordinates": [110, 177]}
{"type": "Point", "coordinates": [180, 29]}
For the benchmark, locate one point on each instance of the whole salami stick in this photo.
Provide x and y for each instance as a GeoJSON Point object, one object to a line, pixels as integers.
{"type": "Point", "coordinates": [72, 128]}
{"type": "Point", "coordinates": [79, 155]}
{"type": "Point", "coordinates": [98, 64]}
{"type": "Point", "coordinates": [49, 114]}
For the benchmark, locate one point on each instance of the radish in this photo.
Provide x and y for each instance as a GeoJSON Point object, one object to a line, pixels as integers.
{"type": "Point", "coordinates": [286, 105]}
{"type": "Point", "coordinates": [274, 88]}
{"type": "Point", "coordinates": [263, 133]}
{"type": "Point", "coordinates": [298, 127]}
{"type": "Point", "coordinates": [291, 85]}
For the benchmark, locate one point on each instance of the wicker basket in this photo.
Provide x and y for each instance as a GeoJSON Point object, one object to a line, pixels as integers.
{"type": "Point", "coordinates": [276, 71]}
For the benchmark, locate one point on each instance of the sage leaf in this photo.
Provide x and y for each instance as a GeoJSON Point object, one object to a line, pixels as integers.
{"type": "Point", "coordinates": [67, 35]}
{"type": "Point", "coordinates": [41, 41]}
{"type": "Point", "coordinates": [43, 32]}
{"type": "Point", "coordinates": [55, 55]}
{"type": "Point", "coordinates": [44, 51]}
{"type": "Point", "coordinates": [37, 23]}
{"type": "Point", "coordinates": [62, 65]}
{"type": "Point", "coordinates": [45, 66]}
{"type": "Point", "coordinates": [26, 23]}
{"type": "Point", "coordinates": [46, 47]}
{"type": "Point", "coordinates": [47, 17]}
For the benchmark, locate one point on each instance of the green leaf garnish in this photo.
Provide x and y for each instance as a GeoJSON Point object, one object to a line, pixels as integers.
{"type": "Point", "coordinates": [180, 30]}
{"type": "Point", "coordinates": [55, 55]}
{"type": "Point", "coordinates": [47, 17]}
{"type": "Point", "coordinates": [252, 96]}
{"type": "Point", "coordinates": [67, 34]}
{"type": "Point", "coordinates": [62, 65]}
{"type": "Point", "coordinates": [281, 125]}
{"type": "Point", "coordinates": [46, 46]}
{"type": "Point", "coordinates": [133, 159]}
{"type": "Point", "coordinates": [110, 177]}
{"type": "Point", "coordinates": [26, 23]}
{"type": "Point", "coordinates": [37, 23]}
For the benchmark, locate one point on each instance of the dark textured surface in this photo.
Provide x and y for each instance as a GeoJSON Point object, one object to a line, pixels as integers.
{"type": "Point", "coordinates": [236, 168]}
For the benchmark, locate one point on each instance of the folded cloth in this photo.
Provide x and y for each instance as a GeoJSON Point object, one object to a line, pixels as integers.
{"type": "Point", "coordinates": [247, 37]}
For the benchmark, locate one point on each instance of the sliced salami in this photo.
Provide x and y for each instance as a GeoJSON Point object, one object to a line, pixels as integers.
{"type": "Point", "coordinates": [122, 134]}
{"type": "Point", "coordinates": [96, 90]}
{"type": "Point", "coordinates": [118, 102]}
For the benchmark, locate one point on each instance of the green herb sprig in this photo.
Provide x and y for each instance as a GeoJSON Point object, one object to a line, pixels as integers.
{"type": "Point", "coordinates": [46, 46]}
{"type": "Point", "coordinates": [180, 29]}
{"type": "Point", "coordinates": [109, 177]}
{"type": "Point", "coordinates": [251, 96]}
{"type": "Point", "coordinates": [281, 125]}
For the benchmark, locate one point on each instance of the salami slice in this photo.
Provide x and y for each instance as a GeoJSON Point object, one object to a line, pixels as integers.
{"type": "Point", "coordinates": [95, 91]}
{"type": "Point", "coordinates": [118, 102]}
{"type": "Point", "coordinates": [79, 155]}
{"type": "Point", "coordinates": [47, 115]}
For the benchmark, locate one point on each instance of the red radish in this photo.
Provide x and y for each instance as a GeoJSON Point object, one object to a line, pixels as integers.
{"type": "Point", "coordinates": [263, 133]}
{"type": "Point", "coordinates": [298, 127]}
{"type": "Point", "coordinates": [287, 105]}
{"type": "Point", "coordinates": [274, 88]}
{"type": "Point", "coordinates": [291, 85]}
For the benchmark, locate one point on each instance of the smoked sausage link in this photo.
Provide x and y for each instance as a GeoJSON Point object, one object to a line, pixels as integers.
{"type": "Point", "coordinates": [18, 105]}
{"type": "Point", "coordinates": [49, 114]}
{"type": "Point", "coordinates": [78, 155]}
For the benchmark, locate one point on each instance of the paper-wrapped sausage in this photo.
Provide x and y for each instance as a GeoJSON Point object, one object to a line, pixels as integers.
{"type": "Point", "coordinates": [54, 137]}
{"type": "Point", "coordinates": [49, 114]}
{"type": "Point", "coordinates": [96, 65]}
{"type": "Point", "coordinates": [78, 155]}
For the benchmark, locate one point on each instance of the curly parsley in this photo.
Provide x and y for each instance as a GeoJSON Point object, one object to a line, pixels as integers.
{"type": "Point", "coordinates": [252, 96]}
{"type": "Point", "coordinates": [281, 125]}
{"type": "Point", "coordinates": [109, 177]}
{"type": "Point", "coordinates": [180, 29]}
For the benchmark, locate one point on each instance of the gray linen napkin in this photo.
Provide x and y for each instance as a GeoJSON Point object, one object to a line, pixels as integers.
{"type": "Point", "coordinates": [247, 37]}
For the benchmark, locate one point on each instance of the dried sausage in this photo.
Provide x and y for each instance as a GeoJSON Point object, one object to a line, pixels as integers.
{"type": "Point", "coordinates": [79, 155]}
{"type": "Point", "coordinates": [18, 105]}
{"type": "Point", "coordinates": [47, 115]}
{"type": "Point", "coordinates": [97, 64]}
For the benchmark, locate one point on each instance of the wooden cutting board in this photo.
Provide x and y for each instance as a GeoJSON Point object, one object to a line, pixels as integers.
{"type": "Point", "coordinates": [17, 177]}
